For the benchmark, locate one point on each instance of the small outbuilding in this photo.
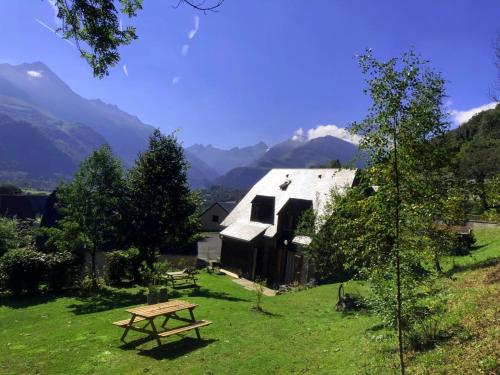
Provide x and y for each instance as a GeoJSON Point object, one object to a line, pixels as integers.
{"type": "Point", "coordinates": [214, 215]}
{"type": "Point", "coordinates": [258, 240]}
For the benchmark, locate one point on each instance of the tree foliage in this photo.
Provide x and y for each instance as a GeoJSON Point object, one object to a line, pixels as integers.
{"type": "Point", "coordinates": [95, 27]}
{"type": "Point", "coordinates": [401, 135]}
{"type": "Point", "coordinates": [163, 211]}
{"type": "Point", "coordinates": [91, 205]}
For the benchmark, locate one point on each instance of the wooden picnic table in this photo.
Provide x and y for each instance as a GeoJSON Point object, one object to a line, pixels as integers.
{"type": "Point", "coordinates": [169, 311]}
{"type": "Point", "coordinates": [184, 277]}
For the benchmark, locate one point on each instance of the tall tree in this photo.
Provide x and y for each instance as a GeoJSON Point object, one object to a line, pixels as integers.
{"type": "Point", "coordinates": [91, 203]}
{"type": "Point", "coordinates": [400, 133]}
{"type": "Point", "coordinates": [163, 211]}
{"type": "Point", "coordinates": [95, 27]}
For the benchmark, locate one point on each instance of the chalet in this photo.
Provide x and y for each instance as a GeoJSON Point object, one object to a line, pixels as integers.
{"type": "Point", "coordinates": [258, 240]}
{"type": "Point", "coordinates": [213, 216]}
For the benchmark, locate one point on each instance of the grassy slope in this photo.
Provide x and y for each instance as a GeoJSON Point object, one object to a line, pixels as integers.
{"type": "Point", "coordinates": [473, 313]}
{"type": "Point", "coordinates": [301, 333]}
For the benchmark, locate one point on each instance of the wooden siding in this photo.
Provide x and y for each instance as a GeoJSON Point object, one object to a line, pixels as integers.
{"type": "Point", "coordinates": [207, 224]}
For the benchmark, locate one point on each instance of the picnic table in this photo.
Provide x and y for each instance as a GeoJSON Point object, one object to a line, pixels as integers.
{"type": "Point", "coordinates": [168, 310]}
{"type": "Point", "coordinates": [184, 277]}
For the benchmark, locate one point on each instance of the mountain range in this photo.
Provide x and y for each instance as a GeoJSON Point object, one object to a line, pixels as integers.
{"type": "Point", "coordinates": [46, 129]}
{"type": "Point", "coordinates": [293, 154]}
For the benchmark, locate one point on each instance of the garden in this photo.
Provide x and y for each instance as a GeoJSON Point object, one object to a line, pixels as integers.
{"type": "Point", "coordinates": [298, 332]}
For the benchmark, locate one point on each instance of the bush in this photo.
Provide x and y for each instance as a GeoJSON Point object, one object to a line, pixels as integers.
{"type": "Point", "coordinates": [59, 267]}
{"type": "Point", "coordinates": [461, 244]}
{"type": "Point", "coordinates": [22, 270]}
{"type": "Point", "coordinates": [426, 334]}
{"type": "Point", "coordinates": [123, 264]}
{"type": "Point", "coordinates": [9, 238]}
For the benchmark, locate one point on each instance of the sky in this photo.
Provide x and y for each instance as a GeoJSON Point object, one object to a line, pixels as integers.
{"type": "Point", "coordinates": [265, 70]}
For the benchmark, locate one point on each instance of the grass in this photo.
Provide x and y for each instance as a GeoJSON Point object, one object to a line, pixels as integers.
{"type": "Point", "coordinates": [298, 333]}
{"type": "Point", "coordinates": [485, 252]}
{"type": "Point", "coordinates": [472, 316]}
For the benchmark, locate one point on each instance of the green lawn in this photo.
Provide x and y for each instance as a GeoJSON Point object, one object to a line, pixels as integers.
{"type": "Point", "coordinates": [300, 333]}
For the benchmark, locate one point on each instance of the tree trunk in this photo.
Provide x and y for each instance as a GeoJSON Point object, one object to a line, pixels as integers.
{"type": "Point", "coordinates": [93, 268]}
{"type": "Point", "coordinates": [437, 264]}
{"type": "Point", "coordinates": [398, 257]}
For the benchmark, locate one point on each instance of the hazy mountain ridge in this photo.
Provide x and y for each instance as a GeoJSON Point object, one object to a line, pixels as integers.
{"type": "Point", "coordinates": [223, 161]}
{"type": "Point", "coordinates": [71, 127]}
{"type": "Point", "coordinates": [46, 93]}
{"type": "Point", "coordinates": [292, 154]}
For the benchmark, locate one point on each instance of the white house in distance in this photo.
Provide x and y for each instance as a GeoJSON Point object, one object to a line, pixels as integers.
{"type": "Point", "coordinates": [214, 215]}
{"type": "Point", "coordinates": [258, 239]}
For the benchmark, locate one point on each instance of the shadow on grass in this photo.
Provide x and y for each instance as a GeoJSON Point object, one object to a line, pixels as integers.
{"type": "Point", "coordinates": [206, 293]}
{"type": "Point", "coordinates": [107, 300]}
{"type": "Point", "coordinates": [472, 266]}
{"type": "Point", "coordinates": [265, 312]}
{"type": "Point", "coordinates": [170, 350]}
{"type": "Point", "coordinates": [377, 327]}
{"type": "Point", "coordinates": [22, 301]}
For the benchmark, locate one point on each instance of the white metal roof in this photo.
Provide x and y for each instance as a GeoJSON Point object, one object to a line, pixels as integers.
{"type": "Point", "coordinates": [302, 240]}
{"type": "Point", "coordinates": [310, 184]}
{"type": "Point", "coordinates": [244, 231]}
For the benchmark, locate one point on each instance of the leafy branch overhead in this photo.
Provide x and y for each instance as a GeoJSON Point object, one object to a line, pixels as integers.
{"type": "Point", "coordinates": [95, 27]}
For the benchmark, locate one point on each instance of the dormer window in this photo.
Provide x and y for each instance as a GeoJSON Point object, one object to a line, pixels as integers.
{"type": "Point", "coordinates": [262, 209]}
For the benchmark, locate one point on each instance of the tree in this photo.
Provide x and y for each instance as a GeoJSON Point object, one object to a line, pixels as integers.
{"type": "Point", "coordinates": [95, 27]}
{"type": "Point", "coordinates": [497, 64]}
{"type": "Point", "coordinates": [400, 134]}
{"type": "Point", "coordinates": [9, 189]}
{"type": "Point", "coordinates": [91, 204]}
{"type": "Point", "coordinates": [163, 211]}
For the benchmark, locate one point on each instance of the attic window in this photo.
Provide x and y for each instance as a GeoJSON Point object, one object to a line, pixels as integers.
{"type": "Point", "coordinates": [262, 209]}
{"type": "Point", "coordinates": [285, 184]}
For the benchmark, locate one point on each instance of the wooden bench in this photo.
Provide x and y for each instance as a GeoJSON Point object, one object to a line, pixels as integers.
{"type": "Point", "coordinates": [125, 322]}
{"type": "Point", "coordinates": [166, 310]}
{"type": "Point", "coordinates": [187, 327]}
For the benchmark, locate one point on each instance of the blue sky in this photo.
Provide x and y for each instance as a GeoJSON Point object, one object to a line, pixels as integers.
{"type": "Point", "coordinates": [261, 69]}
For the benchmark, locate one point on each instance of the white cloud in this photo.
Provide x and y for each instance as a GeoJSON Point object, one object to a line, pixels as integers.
{"type": "Point", "coordinates": [175, 80]}
{"type": "Point", "coordinates": [323, 131]}
{"type": "Point", "coordinates": [185, 49]}
{"type": "Point", "coordinates": [333, 130]}
{"type": "Point", "coordinates": [43, 24]}
{"type": "Point", "coordinates": [196, 27]}
{"type": "Point", "coordinates": [125, 70]}
{"type": "Point", "coordinates": [34, 73]}
{"type": "Point", "coordinates": [53, 5]}
{"type": "Point", "coordinates": [459, 117]}
{"type": "Point", "coordinates": [298, 135]}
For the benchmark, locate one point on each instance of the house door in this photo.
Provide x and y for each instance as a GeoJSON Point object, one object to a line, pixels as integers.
{"type": "Point", "coordinates": [297, 268]}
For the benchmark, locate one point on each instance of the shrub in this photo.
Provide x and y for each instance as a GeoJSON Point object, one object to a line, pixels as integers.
{"type": "Point", "coordinates": [425, 334]}
{"type": "Point", "coordinates": [461, 244]}
{"type": "Point", "coordinates": [123, 264]}
{"type": "Point", "coordinates": [8, 234]}
{"type": "Point", "coordinates": [59, 267]}
{"type": "Point", "coordinates": [22, 270]}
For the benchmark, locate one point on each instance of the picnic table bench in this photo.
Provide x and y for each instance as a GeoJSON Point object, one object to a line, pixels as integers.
{"type": "Point", "coordinates": [184, 277]}
{"type": "Point", "coordinates": [169, 311]}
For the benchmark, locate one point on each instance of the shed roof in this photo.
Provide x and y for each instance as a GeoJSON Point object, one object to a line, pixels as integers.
{"type": "Point", "coordinates": [226, 206]}
{"type": "Point", "coordinates": [245, 231]}
{"type": "Point", "coordinates": [307, 184]}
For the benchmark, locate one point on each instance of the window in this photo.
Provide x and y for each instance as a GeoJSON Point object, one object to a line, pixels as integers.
{"type": "Point", "coordinates": [263, 209]}
{"type": "Point", "coordinates": [215, 218]}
